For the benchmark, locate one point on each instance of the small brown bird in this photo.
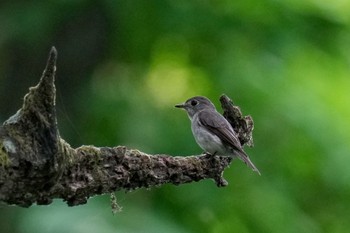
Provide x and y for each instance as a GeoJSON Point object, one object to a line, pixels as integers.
{"type": "Point", "coordinates": [212, 132]}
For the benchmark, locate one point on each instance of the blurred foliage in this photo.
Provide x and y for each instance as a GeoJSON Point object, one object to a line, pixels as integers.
{"type": "Point", "coordinates": [122, 67]}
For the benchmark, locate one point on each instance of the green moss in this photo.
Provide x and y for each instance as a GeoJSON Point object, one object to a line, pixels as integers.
{"type": "Point", "coordinates": [66, 151]}
{"type": "Point", "coordinates": [4, 158]}
{"type": "Point", "coordinates": [92, 151]}
{"type": "Point", "coordinates": [93, 159]}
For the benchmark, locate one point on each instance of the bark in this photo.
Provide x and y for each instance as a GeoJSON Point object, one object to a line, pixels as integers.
{"type": "Point", "coordinates": [37, 165]}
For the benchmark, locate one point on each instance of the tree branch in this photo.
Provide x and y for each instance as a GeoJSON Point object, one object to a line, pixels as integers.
{"type": "Point", "coordinates": [37, 165]}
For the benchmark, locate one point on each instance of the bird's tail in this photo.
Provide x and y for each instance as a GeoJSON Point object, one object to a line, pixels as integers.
{"type": "Point", "coordinates": [245, 158]}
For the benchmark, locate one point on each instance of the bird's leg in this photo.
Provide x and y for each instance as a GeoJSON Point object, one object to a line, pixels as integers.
{"type": "Point", "coordinates": [208, 155]}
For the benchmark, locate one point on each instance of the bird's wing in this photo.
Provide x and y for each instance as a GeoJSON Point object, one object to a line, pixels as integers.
{"type": "Point", "coordinates": [214, 122]}
{"type": "Point", "coordinates": [218, 125]}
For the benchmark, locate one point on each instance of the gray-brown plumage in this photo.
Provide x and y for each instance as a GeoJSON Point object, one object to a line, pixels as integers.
{"type": "Point", "coordinates": [212, 131]}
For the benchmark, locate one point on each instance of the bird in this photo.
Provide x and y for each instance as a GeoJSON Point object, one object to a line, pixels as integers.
{"type": "Point", "coordinates": [212, 132]}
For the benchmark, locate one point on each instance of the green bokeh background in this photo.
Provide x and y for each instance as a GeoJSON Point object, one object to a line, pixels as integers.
{"type": "Point", "coordinates": [122, 67]}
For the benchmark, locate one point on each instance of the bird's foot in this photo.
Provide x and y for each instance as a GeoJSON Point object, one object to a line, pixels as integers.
{"type": "Point", "coordinates": [208, 155]}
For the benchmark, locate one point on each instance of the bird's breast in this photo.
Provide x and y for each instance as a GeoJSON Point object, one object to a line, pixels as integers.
{"type": "Point", "coordinates": [207, 140]}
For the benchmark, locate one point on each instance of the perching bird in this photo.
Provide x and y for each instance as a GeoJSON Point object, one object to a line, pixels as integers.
{"type": "Point", "coordinates": [212, 131]}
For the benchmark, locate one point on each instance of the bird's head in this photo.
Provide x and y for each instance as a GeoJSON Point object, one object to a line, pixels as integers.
{"type": "Point", "coordinates": [196, 104]}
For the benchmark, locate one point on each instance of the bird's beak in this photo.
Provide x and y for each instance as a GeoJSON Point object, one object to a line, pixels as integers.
{"type": "Point", "coordinates": [180, 106]}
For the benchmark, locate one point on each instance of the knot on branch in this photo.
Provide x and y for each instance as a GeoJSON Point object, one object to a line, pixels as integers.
{"type": "Point", "coordinates": [242, 125]}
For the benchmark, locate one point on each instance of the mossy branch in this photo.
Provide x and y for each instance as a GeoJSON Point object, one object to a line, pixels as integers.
{"type": "Point", "coordinates": [37, 165]}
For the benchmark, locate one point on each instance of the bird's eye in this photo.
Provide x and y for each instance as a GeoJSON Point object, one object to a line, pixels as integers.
{"type": "Point", "coordinates": [194, 102]}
